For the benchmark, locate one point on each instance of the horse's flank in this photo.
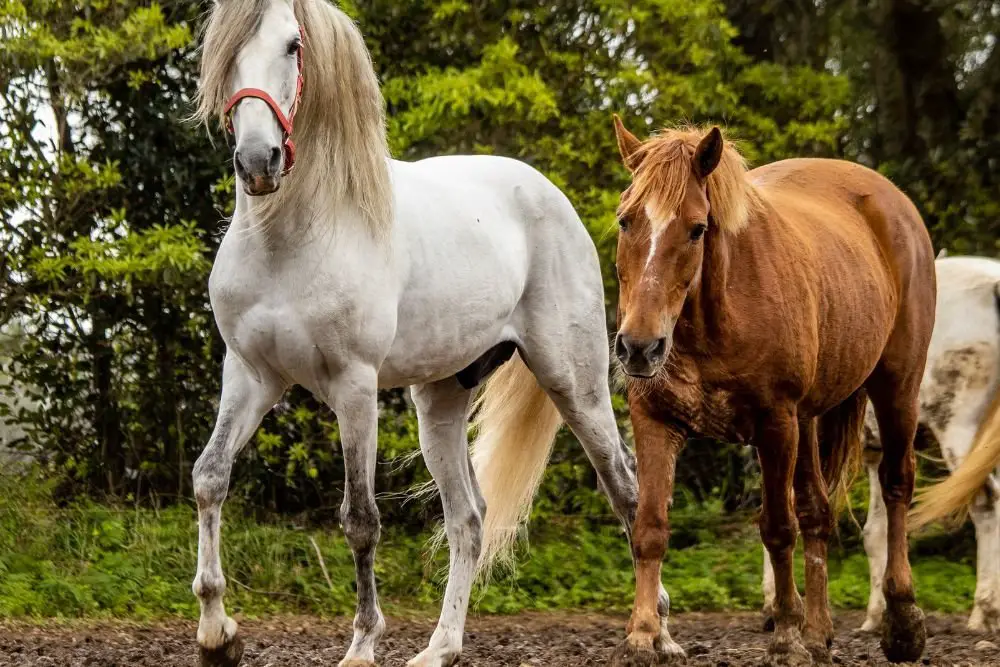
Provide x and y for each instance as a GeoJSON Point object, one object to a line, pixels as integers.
{"type": "Point", "coordinates": [340, 125]}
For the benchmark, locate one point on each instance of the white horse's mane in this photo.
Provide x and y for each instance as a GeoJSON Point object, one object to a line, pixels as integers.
{"type": "Point", "coordinates": [339, 132]}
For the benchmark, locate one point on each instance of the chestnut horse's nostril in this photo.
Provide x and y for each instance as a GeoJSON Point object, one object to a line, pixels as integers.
{"type": "Point", "coordinates": [621, 349]}
{"type": "Point", "coordinates": [656, 349]}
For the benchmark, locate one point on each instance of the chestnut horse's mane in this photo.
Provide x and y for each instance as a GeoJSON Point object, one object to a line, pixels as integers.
{"type": "Point", "coordinates": [661, 171]}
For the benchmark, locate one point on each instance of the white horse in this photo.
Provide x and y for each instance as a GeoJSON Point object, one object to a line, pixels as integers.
{"type": "Point", "coordinates": [959, 405]}
{"type": "Point", "coordinates": [363, 273]}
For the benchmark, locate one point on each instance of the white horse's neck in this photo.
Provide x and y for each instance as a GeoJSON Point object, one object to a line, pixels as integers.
{"type": "Point", "coordinates": [293, 229]}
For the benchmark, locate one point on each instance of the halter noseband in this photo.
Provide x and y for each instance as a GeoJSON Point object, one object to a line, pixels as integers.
{"type": "Point", "coordinates": [283, 120]}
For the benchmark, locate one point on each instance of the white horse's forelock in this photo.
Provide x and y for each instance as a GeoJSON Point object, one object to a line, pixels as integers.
{"type": "Point", "coordinates": [340, 136]}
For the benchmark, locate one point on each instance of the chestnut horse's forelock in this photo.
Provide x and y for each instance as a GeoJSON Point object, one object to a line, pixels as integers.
{"type": "Point", "coordinates": [662, 168]}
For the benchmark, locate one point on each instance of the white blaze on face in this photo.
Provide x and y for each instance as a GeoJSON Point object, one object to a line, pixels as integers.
{"type": "Point", "coordinates": [264, 63]}
{"type": "Point", "coordinates": [657, 227]}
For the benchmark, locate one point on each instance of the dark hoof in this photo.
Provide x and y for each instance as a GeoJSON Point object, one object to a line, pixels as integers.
{"type": "Point", "coordinates": [903, 632]}
{"type": "Point", "coordinates": [628, 654]}
{"type": "Point", "coordinates": [227, 655]}
{"type": "Point", "coordinates": [768, 625]}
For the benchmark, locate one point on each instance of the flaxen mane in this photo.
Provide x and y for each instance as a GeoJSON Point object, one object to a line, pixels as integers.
{"type": "Point", "coordinates": [661, 170]}
{"type": "Point", "coordinates": [339, 131]}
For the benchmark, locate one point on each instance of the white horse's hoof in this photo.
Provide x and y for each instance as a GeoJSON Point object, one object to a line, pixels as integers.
{"type": "Point", "coordinates": [219, 646]}
{"type": "Point", "coordinates": [228, 654]}
{"type": "Point", "coordinates": [435, 658]}
{"type": "Point", "coordinates": [872, 625]}
{"type": "Point", "coordinates": [982, 622]}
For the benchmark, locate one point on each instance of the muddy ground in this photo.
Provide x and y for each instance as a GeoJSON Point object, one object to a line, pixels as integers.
{"type": "Point", "coordinates": [529, 640]}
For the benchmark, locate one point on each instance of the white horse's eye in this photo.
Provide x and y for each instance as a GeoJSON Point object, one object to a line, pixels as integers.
{"type": "Point", "coordinates": [293, 46]}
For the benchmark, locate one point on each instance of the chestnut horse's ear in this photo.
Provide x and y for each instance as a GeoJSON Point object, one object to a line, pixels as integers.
{"type": "Point", "coordinates": [628, 144]}
{"type": "Point", "coordinates": [708, 154]}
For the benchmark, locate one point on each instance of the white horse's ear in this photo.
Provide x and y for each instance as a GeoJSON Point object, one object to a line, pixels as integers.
{"type": "Point", "coordinates": [943, 253]}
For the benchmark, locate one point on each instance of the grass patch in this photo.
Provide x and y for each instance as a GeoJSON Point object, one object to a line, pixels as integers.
{"type": "Point", "coordinates": [94, 561]}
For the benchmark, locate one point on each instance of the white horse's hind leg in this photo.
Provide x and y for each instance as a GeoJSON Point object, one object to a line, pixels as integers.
{"type": "Point", "coordinates": [354, 399]}
{"type": "Point", "coordinates": [956, 439]}
{"type": "Point", "coordinates": [876, 533]}
{"type": "Point", "coordinates": [442, 412]}
{"type": "Point", "coordinates": [245, 400]}
{"type": "Point", "coordinates": [986, 612]}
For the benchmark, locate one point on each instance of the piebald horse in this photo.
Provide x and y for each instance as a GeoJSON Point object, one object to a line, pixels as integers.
{"type": "Point", "coordinates": [763, 307]}
{"type": "Point", "coordinates": [354, 272]}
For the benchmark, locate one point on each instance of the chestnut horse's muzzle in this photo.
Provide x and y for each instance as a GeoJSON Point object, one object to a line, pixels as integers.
{"type": "Point", "coordinates": [641, 357]}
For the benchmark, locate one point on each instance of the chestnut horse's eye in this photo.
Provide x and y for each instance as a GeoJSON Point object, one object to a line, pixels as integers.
{"type": "Point", "coordinates": [623, 223]}
{"type": "Point", "coordinates": [698, 231]}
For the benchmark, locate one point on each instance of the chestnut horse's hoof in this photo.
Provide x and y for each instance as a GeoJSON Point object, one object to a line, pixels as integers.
{"type": "Point", "coordinates": [643, 652]}
{"type": "Point", "coordinates": [228, 655]}
{"type": "Point", "coordinates": [788, 651]}
{"type": "Point", "coordinates": [903, 632]}
{"type": "Point", "coordinates": [820, 651]}
{"type": "Point", "coordinates": [768, 623]}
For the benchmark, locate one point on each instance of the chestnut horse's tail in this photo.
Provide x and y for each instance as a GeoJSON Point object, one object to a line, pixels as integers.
{"type": "Point", "coordinates": [516, 424]}
{"type": "Point", "coordinates": [841, 446]}
{"type": "Point", "coordinates": [953, 495]}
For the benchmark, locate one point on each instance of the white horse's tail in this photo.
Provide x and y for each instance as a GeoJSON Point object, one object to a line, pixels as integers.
{"type": "Point", "coordinates": [516, 423]}
{"type": "Point", "coordinates": [952, 496]}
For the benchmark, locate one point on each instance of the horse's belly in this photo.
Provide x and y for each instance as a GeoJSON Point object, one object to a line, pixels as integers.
{"type": "Point", "coordinates": [853, 331]}
{"type": "Point", "coordinates": [434, 341]}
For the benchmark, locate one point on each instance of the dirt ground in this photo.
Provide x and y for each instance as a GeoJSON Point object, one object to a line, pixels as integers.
{"type": "Point", "coordinates": [529, 640]}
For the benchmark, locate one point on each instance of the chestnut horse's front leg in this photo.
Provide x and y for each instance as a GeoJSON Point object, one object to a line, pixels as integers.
{"type": "Point", "coordinates": [777, 441]}
{"type": "Point", "coordinates": [657, 446]}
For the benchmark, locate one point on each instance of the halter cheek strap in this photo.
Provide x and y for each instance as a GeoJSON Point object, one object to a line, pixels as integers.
{"type": "Point", "coordinates": [283, 120]}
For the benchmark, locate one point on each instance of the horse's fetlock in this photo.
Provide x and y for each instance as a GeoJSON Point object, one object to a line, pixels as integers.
{"type": "Point", "coordinates": [208, 585]}
{"type": "Point", "coordinates": [362, 526]}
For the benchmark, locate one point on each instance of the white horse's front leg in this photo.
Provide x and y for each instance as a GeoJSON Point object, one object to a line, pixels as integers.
{"type": "Point", "coordinates": [442, 411]}
{"type": "Point", "coordinates": [245, 400]}
{"type": "Point", "coordinates": [354, 399]}
{"type": "Point", "coordinates": [876, 533]}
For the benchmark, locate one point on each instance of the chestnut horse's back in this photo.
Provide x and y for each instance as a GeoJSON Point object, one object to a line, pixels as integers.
{"type": "Point", "coordinates": [868, 243]}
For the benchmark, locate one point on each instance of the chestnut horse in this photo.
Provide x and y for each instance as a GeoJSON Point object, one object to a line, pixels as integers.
{"type": "Point", "coordinates": [764, 307]}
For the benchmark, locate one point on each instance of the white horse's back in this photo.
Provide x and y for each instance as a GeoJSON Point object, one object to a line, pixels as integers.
{"type": "Point", "coordinates": [473, 231]}
{"type": "Point", "coordinates": [967, 323]}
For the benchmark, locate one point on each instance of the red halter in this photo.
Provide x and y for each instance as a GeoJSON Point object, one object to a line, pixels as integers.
{"type": "Point", "coordinates": [284, 121]}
